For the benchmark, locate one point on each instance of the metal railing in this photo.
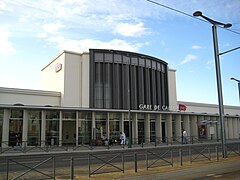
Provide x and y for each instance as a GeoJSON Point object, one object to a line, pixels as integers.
{"type": "Point", "coordinates": [66, 146]}
{"type": "Point", "coordinates": [100, 162]}
{"type": "Point", "coordinates": [28, 169]}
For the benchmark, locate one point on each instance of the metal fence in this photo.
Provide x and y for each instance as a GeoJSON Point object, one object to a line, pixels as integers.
{"type": "Point", "coordinates": [42, 146]}
{"type": "Point", "coordinates": [93, 163]}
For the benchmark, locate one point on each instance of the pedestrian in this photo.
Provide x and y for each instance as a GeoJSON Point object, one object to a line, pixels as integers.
{"type": "Point", "coordinates": [185, 141]}
{"type": "Point", "coordinates": [122, 138]}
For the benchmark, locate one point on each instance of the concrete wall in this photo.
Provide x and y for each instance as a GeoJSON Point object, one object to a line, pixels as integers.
{"type": "Point", "coordinates": [52, 80]}
{"type": "Point", "coordinates": [172, 90]}
{"type": "Point", "coordinates": [210, 108]}
{"type": "Point", "coordinates": [71, 95]}
{"type": "Point", "coordinates": [12, 96]}
{"type": "Point", "coordinates": [72, 80]}
{"type": "Point", "coordinates": [85, 80]}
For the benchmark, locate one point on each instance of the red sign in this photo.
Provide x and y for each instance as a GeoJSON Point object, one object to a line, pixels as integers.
{"type": "Point", "coordinates": [182, 107]}
{"type": "Point", "coordinates": [58, 67]}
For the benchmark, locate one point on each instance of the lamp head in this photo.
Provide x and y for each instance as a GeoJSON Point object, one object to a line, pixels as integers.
{"type": "Point", "coordinates": [227, 25]}
{"type": "Point", "coordinates": [232, 78]}
{"type": "Point", "coordinates": [197, 13]}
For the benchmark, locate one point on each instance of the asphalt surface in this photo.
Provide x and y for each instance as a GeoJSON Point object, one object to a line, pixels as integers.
{"type": "Point", "coordinates": [224, 169]}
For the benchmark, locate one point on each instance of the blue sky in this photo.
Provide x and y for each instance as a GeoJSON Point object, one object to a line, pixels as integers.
{"type": "Point", "coordinates": [32, 33]}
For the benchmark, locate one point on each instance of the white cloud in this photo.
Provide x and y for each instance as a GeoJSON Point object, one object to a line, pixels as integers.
{"type": "Point", "coordinates": [42, 35]}
{"type": "Point", "coordinates": [86, 44]}
{"type": "Point", "coordinates": [210, 64]}
{"type": "Point", "coordinates": [196, 47]}
{"type": "Point", "coordinates": [189, 58]}
{"type": "Point", "coordinates": [4, 7]}
{"type": "Point", "coordinates": [6, 46]}
{"type": "Point", "coordinates": [52, 27]}
{"type": "Point", "coordinates": [132, 30]}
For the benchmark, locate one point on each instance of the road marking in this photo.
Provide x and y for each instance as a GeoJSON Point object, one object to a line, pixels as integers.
{"type": "Point", "coordinates": [218, 176]}
{"type": "Point", "coordinates": [210, 175]}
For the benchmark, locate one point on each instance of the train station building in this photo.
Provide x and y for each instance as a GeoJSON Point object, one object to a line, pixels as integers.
{"type": "Point", "coordinates": [95, 95]}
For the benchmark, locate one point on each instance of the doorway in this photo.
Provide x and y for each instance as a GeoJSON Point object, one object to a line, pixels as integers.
{"type": "Point", "coordinates": [69, 133]}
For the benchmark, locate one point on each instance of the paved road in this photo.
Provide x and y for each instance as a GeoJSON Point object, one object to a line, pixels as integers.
{"type": "Point", "coordinates": [214, 170]}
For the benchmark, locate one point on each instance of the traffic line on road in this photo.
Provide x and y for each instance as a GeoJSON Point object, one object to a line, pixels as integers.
{"type": "Point", "coordinates": [217, 176]}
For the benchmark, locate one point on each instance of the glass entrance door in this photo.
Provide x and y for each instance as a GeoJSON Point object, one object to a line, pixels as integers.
{"type": "Point", "coordinates": [15, 127]}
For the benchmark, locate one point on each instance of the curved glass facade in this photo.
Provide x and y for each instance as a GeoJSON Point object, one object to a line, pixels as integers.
{"type": "Point", "coordinates": [114, 73]}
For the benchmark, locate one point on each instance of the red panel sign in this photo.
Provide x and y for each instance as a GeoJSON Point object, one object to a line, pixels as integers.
{"type": "Point", "coordinates": [182, 107]}
{"type": "Point", "coordinates": [58, 67]}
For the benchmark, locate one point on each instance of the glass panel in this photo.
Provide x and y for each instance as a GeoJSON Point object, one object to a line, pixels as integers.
{"type": "Point", "coordinates": [108, 86]}
{"type": "Point", "coordinates": [34, 128]}
{"type": "Point", "coordinates": [114, 126]}
{"type": "Point", "coordinates": [141, 62]}
{"type": "Point", "coordinates": [68, 115]}
{"type": "Point", "coordinates": [1, 125]}
{"type": "Point", "coordinates": [15, 127]}
{"type": "Point", "coordinates": [126, 124]}
{"type": "Point", "coordinates": [134, 61]}
{"type": "Point", "coordinates": [141, 131]}
{"type": "Point", "coordinates": [117, 58]}
{"type": "Point", "coordinates": [148, 63]}
{"type": "Point", "coordinates": [101, 127]}
{"type": "Point", "coordinates": [52, 128]}
{"type": "Point", "coordinates": [174, 129]}
{"type": "Point", "coordinates": [84, 127]}
{"type": "Point", "coordinates": [152, 127]}
{"type": "Point", "coordinates": [99, 86]}
{"type": "Point", "coordinates": [141, 118]}
{"type": "Point", "coordinates": [69, 127]}
{"type": "Point", "coordinates": [108, 57]}
{"type": "Point", "coordinates": [98, 57]}
{"type": "Point", "coordinates": [148, 77]}
{"type": "Point", "coordinates": [126, 60]}
{"type": "Point", "coordinates": [152, 130]}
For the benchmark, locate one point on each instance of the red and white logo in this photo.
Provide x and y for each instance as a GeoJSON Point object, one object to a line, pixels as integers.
{"type": "Point", "coordinates": [182, 107]}
{"type": "Point", "coordinates": [58, 67]}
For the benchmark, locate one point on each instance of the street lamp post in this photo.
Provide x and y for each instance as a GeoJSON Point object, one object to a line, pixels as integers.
{"type": "Point", "coordinates": [218, 74]}
{"type": "Point", "coordinates": [129, 106]}
{"type": "Point", "coordinates": [238, 81]}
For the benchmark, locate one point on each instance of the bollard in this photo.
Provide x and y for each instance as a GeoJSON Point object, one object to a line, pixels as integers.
{"type": "Point", "coordinates": [7, 168]}
{"type": "Point", "coordinates": [180, 156]}
{"type": "Point", "coordinates": [217, 153]}
{"type": "Point", "coordinates": [54, 168]}
{"type": "Point", "coordinates": [71, 169]}
{"type": "Point", "coordinates": [147, 159]}
{"type": "Point", "coordinates": [89, 166]}
{"type": "Point", "coordinates": [135, 161]}
{"type": "Point", "coordinates": [209, 153]}
{"type": "Point", "coordinates": [190, 155]}
{"type": "Point", "coordinates": [123, 160]}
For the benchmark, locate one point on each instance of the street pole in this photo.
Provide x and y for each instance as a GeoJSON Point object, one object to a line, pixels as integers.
{"type": "Point", "coordinates": [219, 87]}
{"type": "Point", "coordinates": [218, 74]}
{"type": "Point", "coordinates": [239, 90]}
{"type": "Point", "coordinates": [129, 106]}
{"type": "Point", "coordinates": [238, 81]}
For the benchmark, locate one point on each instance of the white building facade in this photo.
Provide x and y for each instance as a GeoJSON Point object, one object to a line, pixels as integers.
{"type": "Point", "coordinates": [88, 97]}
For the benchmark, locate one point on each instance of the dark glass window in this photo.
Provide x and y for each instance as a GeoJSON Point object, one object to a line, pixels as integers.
{"type": "Point", "coordinates": [114, 73]}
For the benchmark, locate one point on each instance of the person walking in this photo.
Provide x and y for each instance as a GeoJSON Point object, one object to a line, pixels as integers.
{"type": "Point", "coordinates": [185, 141]}
{"type": "Point", "coordinates": [122, 138]}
